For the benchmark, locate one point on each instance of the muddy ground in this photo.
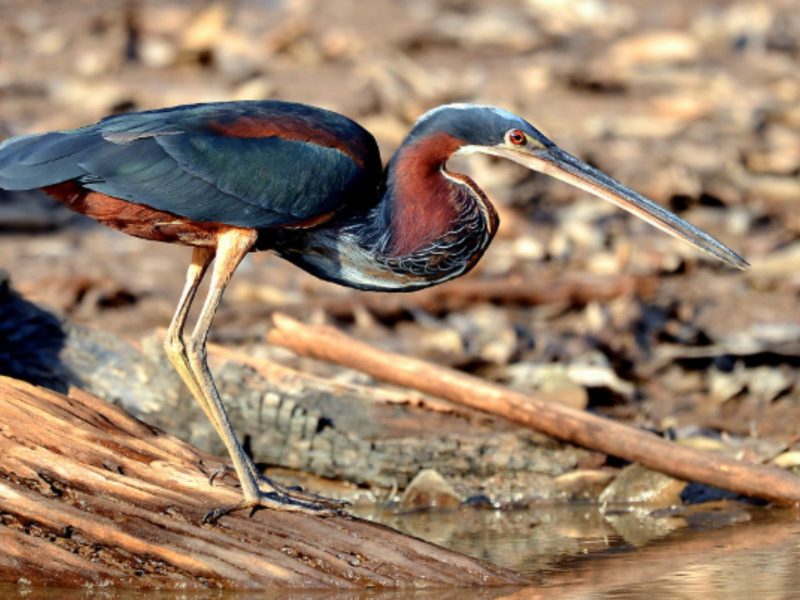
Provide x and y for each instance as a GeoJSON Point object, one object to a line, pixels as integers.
{"type": "Point", "coordinates": [695, 104]}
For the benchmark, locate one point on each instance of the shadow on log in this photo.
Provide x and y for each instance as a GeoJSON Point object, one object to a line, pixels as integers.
{"type": "Point", "coordinates": [91, 496]}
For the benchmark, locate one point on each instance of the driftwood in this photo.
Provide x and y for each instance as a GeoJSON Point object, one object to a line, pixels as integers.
{"type": "Point", "coordinates": [559, 421]}
{"type": "Point", "coordinates": [91, 496]}
{"type": "Point", "coordinates": [379, 436]}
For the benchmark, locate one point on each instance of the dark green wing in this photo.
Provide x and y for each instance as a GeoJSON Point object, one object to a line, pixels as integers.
{"type": "Point", "coordinates": [253, 164]}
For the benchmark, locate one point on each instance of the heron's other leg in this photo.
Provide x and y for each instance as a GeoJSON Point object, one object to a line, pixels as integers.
{"type": "Point", "coordinates": [232, 246]}
{"type": "Point", "coordinates": [174, 345]}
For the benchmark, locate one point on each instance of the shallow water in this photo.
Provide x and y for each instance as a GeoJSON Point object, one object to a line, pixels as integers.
{"type": "Point", "coordinates": [725, 550]}
{"type": "Point", "coordinates": [713, 551]}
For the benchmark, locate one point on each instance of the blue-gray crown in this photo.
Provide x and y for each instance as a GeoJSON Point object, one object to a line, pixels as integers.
{"type": "Point", "coordinates": [476, 124]}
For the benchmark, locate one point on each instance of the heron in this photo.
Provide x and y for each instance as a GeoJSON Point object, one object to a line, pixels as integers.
{"type": "Point", "coordinates": [308, 185]}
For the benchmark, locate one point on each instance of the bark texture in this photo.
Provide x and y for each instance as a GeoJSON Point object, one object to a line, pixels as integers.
{"type": "Point", "coordinates": [91, 496]}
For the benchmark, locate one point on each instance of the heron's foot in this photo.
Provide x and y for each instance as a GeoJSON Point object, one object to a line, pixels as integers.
{"type": "Point", "coordinates": [294, 502]}
{"type": "Point", "coordinates": [271, 488]}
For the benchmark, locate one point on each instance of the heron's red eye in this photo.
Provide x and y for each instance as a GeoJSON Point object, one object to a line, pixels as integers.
{"type": "Point", "coordinates": [516, 137]}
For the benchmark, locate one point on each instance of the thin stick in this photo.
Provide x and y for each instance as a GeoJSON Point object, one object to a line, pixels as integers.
{"type": "Point", "coordinates": [562, 422]}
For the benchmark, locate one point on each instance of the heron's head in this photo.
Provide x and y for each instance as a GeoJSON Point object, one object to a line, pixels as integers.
{"type": "Point", "coordinates": [494, 131]}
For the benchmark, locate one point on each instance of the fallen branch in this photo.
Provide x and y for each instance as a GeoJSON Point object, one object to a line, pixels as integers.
{"type": "Point", "coordinates": [90, 496]}
{"type": "Point", "coordinates": [278, 373]}
{"type": "Point", "coordinates": [562, 422]}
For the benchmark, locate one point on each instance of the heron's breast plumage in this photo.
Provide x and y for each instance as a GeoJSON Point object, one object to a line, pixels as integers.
{"type": "Point", "coordinates": [428, 226]}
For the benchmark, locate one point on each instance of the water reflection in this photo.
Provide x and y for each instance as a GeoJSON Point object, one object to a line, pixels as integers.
{"type": "Point", "coordinates": [712, 551]}
{"type": "Point", "coordinates": [724, 550]}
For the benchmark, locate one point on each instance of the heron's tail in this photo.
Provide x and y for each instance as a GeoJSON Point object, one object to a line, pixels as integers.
{"type": "Point", "coordinates": [33, 161]}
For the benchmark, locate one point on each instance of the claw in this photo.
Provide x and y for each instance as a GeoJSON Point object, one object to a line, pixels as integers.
{"type": "Point", "coordinates": [212, 516]}
{"type": "Point", "coordinates": [220, 471]}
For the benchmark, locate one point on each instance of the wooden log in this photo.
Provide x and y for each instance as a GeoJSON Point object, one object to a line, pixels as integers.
{"type": "Point", "coordinates": [562, 422]}
{"type": "Point", "coordinates": [91, 496]}
{"type": "Point", "coordinates": [278, 373]}
{"type": "Point", "coordinates": [380, 436]}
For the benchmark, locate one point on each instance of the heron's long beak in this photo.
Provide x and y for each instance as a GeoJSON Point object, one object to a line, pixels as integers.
{"type": "Point", "coordinates": [559, 164]}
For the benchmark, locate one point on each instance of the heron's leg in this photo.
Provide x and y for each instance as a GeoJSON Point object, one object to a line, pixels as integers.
{"type": "Point", "coordinates": [232, 246]}
{"type": "Point", "coordinates": [175, 347]}
{"type": "Point", "coordinates": [174, 344]}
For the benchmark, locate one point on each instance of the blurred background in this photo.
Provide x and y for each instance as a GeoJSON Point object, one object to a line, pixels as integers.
{"type": "Point", "coordinates": [695, 104]}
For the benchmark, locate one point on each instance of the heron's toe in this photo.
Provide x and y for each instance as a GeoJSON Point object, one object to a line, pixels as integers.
{"type": "Point", "coordinates": [310, 504]}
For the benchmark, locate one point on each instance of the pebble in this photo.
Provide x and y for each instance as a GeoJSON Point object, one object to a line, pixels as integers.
{"type": "Point", "coordinates": [551, 379]}
{"type": "Point", "coordinates": [787, 460]}
{"type": "Point", "coordinates": [566, 17]}
{"type": "Point", "coordinates": [779, 153]}
{"type": "Point", "coordinates": [157, 52]}
{"type": "Point", "coordinates": [204, 30]}
{"type": "Point", "coordinates": [584, 484]}
{"type": "Point", "coordinates": [429, 490]}
{"type": "Point", "coordinates": [636, 484]}
{"type": "Point", "coordinates": [257, 88]}
{"type": "Point", "coordinates": [655, 47]}
{"type": "Point", "coordinates": [492, 27]}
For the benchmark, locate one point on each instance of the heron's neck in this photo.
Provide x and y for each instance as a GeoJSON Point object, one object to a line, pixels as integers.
{"type": "Point", "coordinates": [420, 203]}
{"type": "Point", "coordinates": [427, 226]}
{"type": "Point", "coordinates": [429, 223]}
